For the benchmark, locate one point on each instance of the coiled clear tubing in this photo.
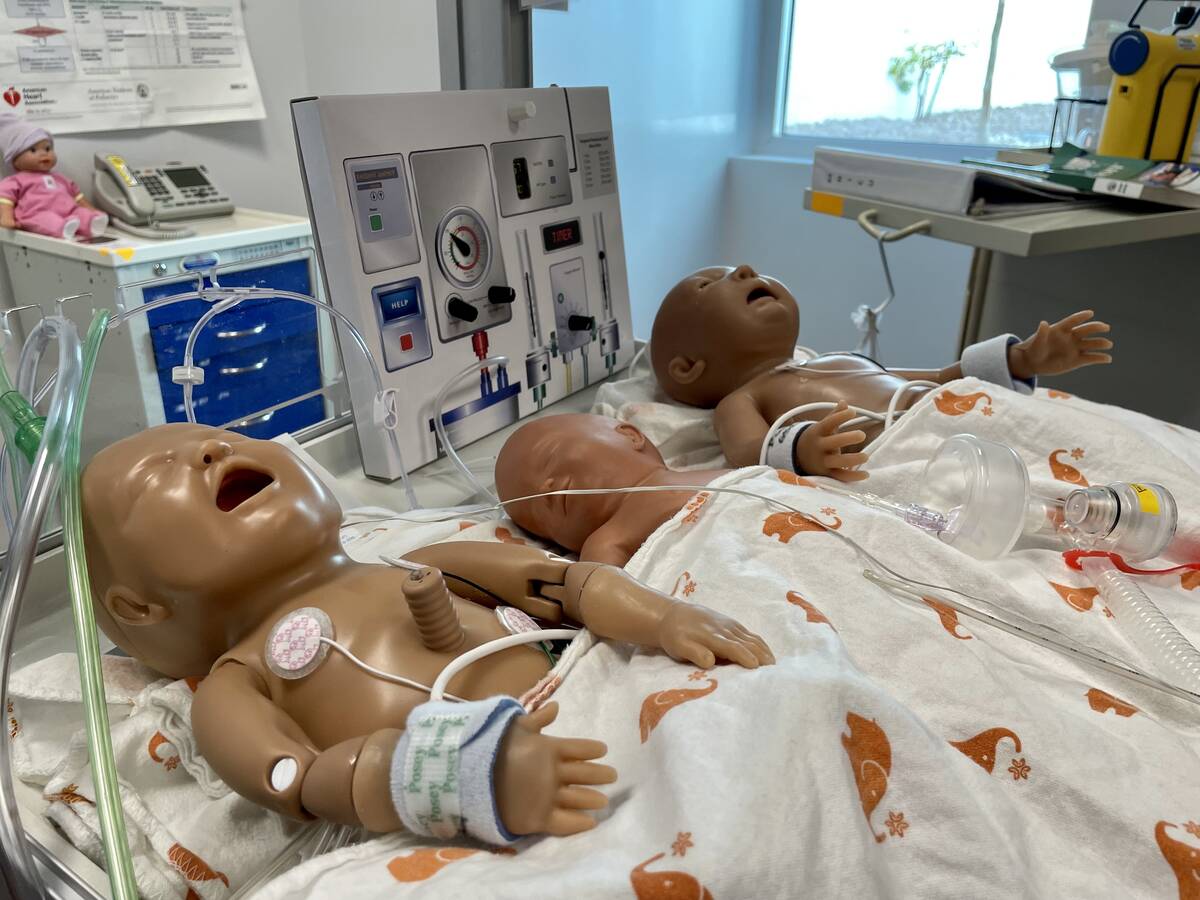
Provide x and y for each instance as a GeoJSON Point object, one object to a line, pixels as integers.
{"type": "Point", "coordinates": [1144, 625]}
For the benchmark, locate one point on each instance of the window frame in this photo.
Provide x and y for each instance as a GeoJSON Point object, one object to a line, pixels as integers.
{"type": "Point", "coordinates": [775, 56]}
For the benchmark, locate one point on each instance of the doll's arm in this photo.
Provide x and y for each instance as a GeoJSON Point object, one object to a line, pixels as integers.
{"type": "Point", "coordinates": [608, 547]}
{"type": "Point", "coordinates": [245, 737]}
{"type": "Point", "coordinates": [610, 603]}
{"type": "Point", "coordinates": [740, 428]}
{"type": "Point", "coordinates": [10, 192]}
{"type": "Point", "coordinates": [944, 375]}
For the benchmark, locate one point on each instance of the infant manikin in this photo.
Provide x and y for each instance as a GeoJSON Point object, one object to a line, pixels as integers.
{"type": "Point", "coordinates": [35, 197]}
{"type": "Point", "coordinates": [725, 337]}
{"type": "Point", "coordinates": [580, 450]}
{"type": "Point", "coordinates": [212, 554]}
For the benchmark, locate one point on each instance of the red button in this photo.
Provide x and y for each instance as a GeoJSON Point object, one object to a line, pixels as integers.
{"type": "Point", "coordinates": [406, 341]}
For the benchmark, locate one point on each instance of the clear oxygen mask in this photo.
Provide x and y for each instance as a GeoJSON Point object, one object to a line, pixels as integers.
{"type": "Point", "coordinates": [977, 496]}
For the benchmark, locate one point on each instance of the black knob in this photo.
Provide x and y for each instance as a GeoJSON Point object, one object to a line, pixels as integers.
{"type": "Point", "coordinates": [461, 309]}
{"type": "Point", "coordinates": [581, 323]}
{"type": "Point", "coordinates": [501, 293]}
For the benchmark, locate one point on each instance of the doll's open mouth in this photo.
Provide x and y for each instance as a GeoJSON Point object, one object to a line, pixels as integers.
{"type": "Point", "coordinates": [239, 485]}
{"type": "Point", "coordinates": [759, 293]}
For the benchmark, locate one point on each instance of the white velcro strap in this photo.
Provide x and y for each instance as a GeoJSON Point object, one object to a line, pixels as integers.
{"type": "Point", "coordinates": [442, 771]}
{"type": "Point", "coordinates": [780, 452]}
{"type": "Point", "coordinates": [988, 361]}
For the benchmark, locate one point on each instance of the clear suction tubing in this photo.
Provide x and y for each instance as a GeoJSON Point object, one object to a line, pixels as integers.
{"type": "Point", "coordinates": [976, 496]}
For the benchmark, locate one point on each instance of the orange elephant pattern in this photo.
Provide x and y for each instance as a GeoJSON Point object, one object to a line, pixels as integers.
{"type": "Point", "coordinates": [811, 612]}
{"type": "Point", "coordinates": [666, 885]}
{"type": "Point", "coordinates": [69, 795]}
{"type": "Point", "coordinates": [870, 755]}
{"type": "Point", "coordinates": [694, 506]}
{"type": "Point", "coordinates": [786, 526]}
{"type": "Point", "coordinates": [504, 536]}
{"type": "Point", "coordinates": [658, 704]}
{"type": "Point", "coordinates": [685, 582]}
{"type": "Point", "coordinates": [426, 862]}
{"type": "Point", "coordinates": [1103, 701]}
{"type": "Point", "coordinates": [952, 404]}
{"type": "Point", "coordinates": [1058, 395]}
{"type": "Point", "coordinates": [948, 616]}
{"type": "Point", "coordinates": [192, 866]}
{"type": "Point", "coordinates": [792, 478]}
{"type": "Point", "coordinates": [982, 747]}
{"type": "Point", "coordinates": [193, 682]}
{"type": "Point", "coordinates": [1079, 599]}
{"type": "Point", "coordinates": [168, 762]}
{"type": "Point", "coordinates": [1184, 860]}
{"type": "Point", "coordinates": [1064, 471]}
{"type": "Point", "coordinates": [1190, 580]}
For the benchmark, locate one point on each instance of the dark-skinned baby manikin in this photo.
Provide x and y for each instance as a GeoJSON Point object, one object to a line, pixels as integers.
{"type": "Point", "coordinates": [724, 339]}
{"type": "Point", "coordinates": [203, 544]}
{"type": "Point", "coordinates": [580, 450]}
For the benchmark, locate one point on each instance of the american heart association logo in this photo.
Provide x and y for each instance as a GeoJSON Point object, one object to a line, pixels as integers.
{"type": "Point", "coordinates": [12, 96]}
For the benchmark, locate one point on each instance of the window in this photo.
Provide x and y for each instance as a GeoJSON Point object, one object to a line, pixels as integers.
{"type": "Point", "coordinates": [929, 71]}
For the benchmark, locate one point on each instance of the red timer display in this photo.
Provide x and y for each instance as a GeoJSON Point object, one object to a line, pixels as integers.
{"type": "Point", "coordinates": [561, 234]}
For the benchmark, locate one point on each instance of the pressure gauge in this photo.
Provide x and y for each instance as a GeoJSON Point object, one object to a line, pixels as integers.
{"type": "Point", "coordinates": [464, 246]}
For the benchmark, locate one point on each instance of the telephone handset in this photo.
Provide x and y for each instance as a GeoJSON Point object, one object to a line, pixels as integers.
{"type": "Point", "coordinates": [141, 201]}
{"type": "Point", "coordinates": [119, 193]}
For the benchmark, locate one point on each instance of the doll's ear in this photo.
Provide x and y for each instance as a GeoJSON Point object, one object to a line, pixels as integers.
{"type": "Point", "coordinates": [124, 605]}
{"type": "Point", "coordinates": [636, 438]}
{"type": "Point", "coordinates": [684, 370]}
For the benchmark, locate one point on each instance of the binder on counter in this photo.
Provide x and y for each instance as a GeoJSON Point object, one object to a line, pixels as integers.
{"type": "Point", "coordinates": [936, 186]}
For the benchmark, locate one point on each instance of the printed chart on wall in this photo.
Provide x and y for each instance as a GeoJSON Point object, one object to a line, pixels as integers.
{"type": "Point", "coordinates": [99, 65]}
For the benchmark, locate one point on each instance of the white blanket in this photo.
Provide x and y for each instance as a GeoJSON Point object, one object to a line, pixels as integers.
{"type": "Point", "coordinates": [895, 749]}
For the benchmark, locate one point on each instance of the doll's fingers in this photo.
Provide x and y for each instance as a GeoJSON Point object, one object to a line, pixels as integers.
{"type": "Point", "coordinates": [845, 460]}
{"type": "Point", "coordinates": [758, 645]}
{"type": "Point", "coordinates": [579, 749]}
{"type": "Point", "coordinates": [695, 653]}
{"type": "Point", "coordinates": [1093, 328]}
{"type": "Point", "coordinates": [733, 651]}
{"type": "Point", "coordinates": [586, 773]}
{"type": "Point", "coordinates": [1096, 344]}
{"type": "Point", "coordinates": [569, 821]}
{"type": "Point", "coordinates": [849, 475]}
{"type": "Point", "coordinates": [1091, 359]}
{"type": "Point", "coordinates": [834, 420]}
{"type": "Point", "coordinates": [541, 717]}
{"type": "Point", "coordinates": [843, 439]}
{"type": "Point", "coordinates": [579, 798]}
{"type": "Point", "coordinates": [1077, 318]}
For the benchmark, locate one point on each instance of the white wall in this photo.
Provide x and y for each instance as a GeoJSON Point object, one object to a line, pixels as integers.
{"type": "Point", "coordinates": [300, 48]}
{"type": "Point", "coordinates": [681, 77]}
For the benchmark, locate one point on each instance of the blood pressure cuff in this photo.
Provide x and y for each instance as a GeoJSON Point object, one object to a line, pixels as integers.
{"type": "Point", "coordinates": [442, 771]}
{"type": "Point", "coordinates": [988, 361]}
{"type": "Point", "coordinates": [780, 451]}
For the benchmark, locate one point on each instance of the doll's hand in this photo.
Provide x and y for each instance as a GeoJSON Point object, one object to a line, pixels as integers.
{"type": "Point", "coordinates": [696, 634]}
{"type": "Point", "coordinates": [538, 778]}
{"type": "Point", "coordinates": [819, 448]}
{"type": "Point", "coordinates": [7, 219]}
{"type": "Point", "coordinates": [1062, 347]}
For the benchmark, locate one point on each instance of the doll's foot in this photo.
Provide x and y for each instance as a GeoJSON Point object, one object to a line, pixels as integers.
{"type": "Point", "coordinates": [70, 226]}
{"type": "Point", "coordinates": [98, 225]}
{"type": "Point", "coordinates": [539, 778]}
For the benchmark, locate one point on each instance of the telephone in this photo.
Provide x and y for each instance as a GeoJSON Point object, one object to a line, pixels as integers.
{"type": "Point", "coordinates": [142, 201]}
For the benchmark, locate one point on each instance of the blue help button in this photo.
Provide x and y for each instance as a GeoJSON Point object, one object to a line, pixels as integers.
{"type": "Point", "coordinates": [199, 261]}
{"type": "Point", "coordinates": [1128, 52]}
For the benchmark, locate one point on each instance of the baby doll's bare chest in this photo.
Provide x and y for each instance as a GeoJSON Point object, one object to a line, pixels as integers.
{"type": "Point", "coordinates": [850, 379]}
{"type": "Point", "coordinates": [339, 698]}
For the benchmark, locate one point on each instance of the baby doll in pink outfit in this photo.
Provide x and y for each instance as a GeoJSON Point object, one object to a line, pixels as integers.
{"type": "Point", "coordinates": [36, 198]}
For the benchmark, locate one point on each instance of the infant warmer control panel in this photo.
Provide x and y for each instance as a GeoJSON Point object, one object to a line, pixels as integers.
{"type": "Point", "coordinates": [457, 226]}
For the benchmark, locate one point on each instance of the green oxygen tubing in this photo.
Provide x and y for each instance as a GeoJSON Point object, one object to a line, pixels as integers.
{"type": "Point", "coordinates": [43, 455]}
